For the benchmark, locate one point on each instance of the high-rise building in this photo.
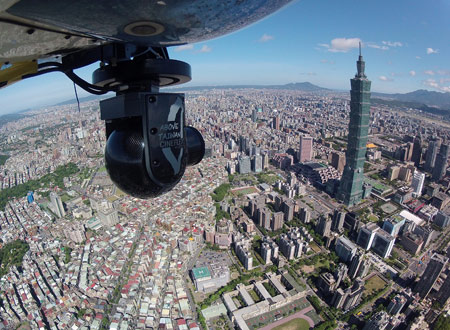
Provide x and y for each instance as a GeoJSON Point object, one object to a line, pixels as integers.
{"type": "Point", "coordinates": [256, 163]}
{"type": "Point", "coordinates": [57, 205]}
{"type": "Point", "coordinates": [266, 253]}
{"type": "Point", "coordinates": [417, 151]}
{"type": "Point", "coordinates": [244, 165]}
{"type": "Point", "coordinates": [432, 150]}
{"type": "Point", "coordinates": [337, 223]}
{"type": "Point", "coordinates": [277, 221]}
{"type": "Point", "coordinates": [383, 243]}
{"type": "Point", "coordinates": [366, 235]}
{"type": "Point", "coordinates": [326, 283]}
{"type": "Point", "coordinates": [441, 219]}
{"type": "Point", "coordinates": [440, 165]}
{"type": "Point", "coordinates": [304, 215]}
{"type": "Point", "coordinates": [108, 217]}
{"type": "Point", "coordinates": [323, 227]}
{"type": "Point", "coordinates": [396, 304]}
{"type": "Point", "coordinates": [417, 183]}
{"type": "Point", "coordinates": [444, 291]}
{"type": "Point", "coordinates": [243, 250]}
{"type": "Point", "coordinates": [355, 265]}
{"type": "Point", "coordinates": [393, 225]}
{"type": "Point", "coordinates": [338, 161]}
{"type": "Point", "coordinates": [264, 217]}
{"type": "Point", "coordinates": [340, 273]}
{"type": "Point", "coordinates": [288, 209]}
{"type": "Point", "coordinates": [431, 274]}
{"type": "Point", "coordinates": [276, 122]}
{"type": "Point", "coordinates": [377, 322]}
{"type": "Point", "coordinates": [345, 249]}
{"type": "Point", "coordinates": [351, 222]}
{"type": "Point", "coordinates": [351, 187]}
{"type": "Point", "coordinates": [305, 152]}
{"type": "Point", "coordinates": [269, 250]}
{"type": "Point", "coordinates": [254, 115]}
{"type": "Point", "coordinates": [338, 298]}
{"type": "Point", "coordinates": [265, 160]}
{"type": "Point", "coordinates": [243, 144]}
{"type": "Point", "coordinates": [353, 295]}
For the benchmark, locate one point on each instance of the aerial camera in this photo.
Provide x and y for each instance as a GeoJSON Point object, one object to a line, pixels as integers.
{"type": "Point", "coordinates": [148, 143]}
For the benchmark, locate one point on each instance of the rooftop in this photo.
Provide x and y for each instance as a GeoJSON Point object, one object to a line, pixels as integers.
{"type": "Point", "coordinates": [201, 272]}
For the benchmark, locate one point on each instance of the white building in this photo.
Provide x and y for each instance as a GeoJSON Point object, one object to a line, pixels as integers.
{"type": "Point", "coordinates": [417, 183]}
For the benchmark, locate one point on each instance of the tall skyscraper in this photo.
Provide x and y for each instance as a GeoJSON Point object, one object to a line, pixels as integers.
{"type": "Point", "coordinates": [351, 187]}
{"type": "Point", "coordinates": [256, 163]}
{"type": "Point", "coordinates": [337, 224]}
{"type": "Point", "coordinates": [243, 143]}
{"type": "Point", "coordinates": [306, 149]}
{"type": "Point", "coordinates": [435, 266]}
{"type": "Point", "coordinates": [417, 183]}
{"type": "Point", "coordinates": [276, 122]}
{"type": "Point", "coordinates": [57, 204]}
{"type": "Point", "coordinates": [432, 150]}
{"type": "Point", "coordinates": [417, 151]}
{"type": "Point", "coordinates": [254, 116]}
{"type": "Point", "coordinates": [323, 226]}
{"type": "Point", "coordinates": [444, 292]}
{"type": "Point", "coordinates": [355, 264]}
{"type": "Point", "coordinates": [244, 165]}
{"type": "Point", "coordinates": [440, 165]}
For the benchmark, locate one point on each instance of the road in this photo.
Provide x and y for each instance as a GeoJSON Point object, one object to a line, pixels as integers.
{"type": "Point", "coordinates": [318, 197]}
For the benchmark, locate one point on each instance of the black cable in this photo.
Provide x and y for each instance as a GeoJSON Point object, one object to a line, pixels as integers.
{"type": "Point", "coordinates": [41, 72]}
{"type": "Point", "coordinates": [76, 96]}
{"type": "Point", "coordinates": [93, 89]}
{"type": "Point", "coordinates": [56, 66]}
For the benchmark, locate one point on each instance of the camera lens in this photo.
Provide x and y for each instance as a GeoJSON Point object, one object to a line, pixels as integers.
{"type": "Point", "coordinates": [195, 146]}
{"type": "Point", "coordinates": [125, 163]}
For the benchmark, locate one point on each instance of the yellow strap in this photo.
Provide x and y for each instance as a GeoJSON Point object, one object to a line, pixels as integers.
{"type": "Point", "coordinates": [16, 71]}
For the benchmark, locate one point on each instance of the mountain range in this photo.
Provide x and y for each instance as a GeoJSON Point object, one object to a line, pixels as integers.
{"type": "Point", "coordinates": [428, 101]}
{"type": "Point", "coordinates": [432, 99]}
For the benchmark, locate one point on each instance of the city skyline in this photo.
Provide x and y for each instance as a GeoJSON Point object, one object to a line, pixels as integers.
{"type": "Point", "coordinates": [302, 42]}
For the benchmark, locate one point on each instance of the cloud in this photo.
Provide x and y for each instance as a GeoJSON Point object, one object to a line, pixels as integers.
{"type": "Point", "coordinates": [443, 72]}
{"type": "Point", "coordinates": [432, 51]}
{"type": "Point", "coordinates": [418, 57]}
{"type": "Point", "coordinates": [327, 61]}
{"type": "Point", "coordinates": [384, 78]}
{"type": "Point", "coordinates": [341, 45]}
{"type": "Point", "coordinates": [429, 72]}
{"type": "Point", "coordinates": [412, 73]}
{"type": "Point", "coordinates": [372, 45]}
{"type": "Point", "coordinates": [308, 73]}
{"type": "Point", "coordinates": [392, 43]}
{"type": "Point", "coordinates": [265, 38]}
{"type": "Point", "coordinates": [184, 47]}
{"type": "Point", "coordinates": [439, 86]}
{"type": "Point", "coordinates": [397, 74]}
{"type": "Point", "coordinates": [205, 49]}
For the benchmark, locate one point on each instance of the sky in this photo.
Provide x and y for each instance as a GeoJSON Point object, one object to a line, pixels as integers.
{"type": "Point", "coordinates": [406, 46]}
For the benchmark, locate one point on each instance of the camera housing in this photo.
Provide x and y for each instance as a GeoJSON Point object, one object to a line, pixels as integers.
{"type": "Point", "coordinates": [148, 143]}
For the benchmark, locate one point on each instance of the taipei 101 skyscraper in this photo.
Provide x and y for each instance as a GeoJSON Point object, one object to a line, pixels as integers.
{"type": "Point", "coordinates": [351, 187]}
